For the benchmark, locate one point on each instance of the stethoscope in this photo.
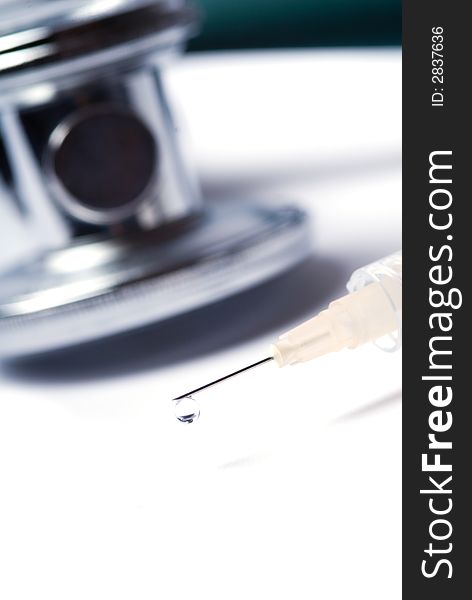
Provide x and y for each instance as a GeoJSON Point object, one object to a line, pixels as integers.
{"type": "Point", "coordinates": [111, 232]}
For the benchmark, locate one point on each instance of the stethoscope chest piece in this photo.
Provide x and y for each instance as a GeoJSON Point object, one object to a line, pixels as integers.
{"type": "Point", "coordinates": [102, 210]}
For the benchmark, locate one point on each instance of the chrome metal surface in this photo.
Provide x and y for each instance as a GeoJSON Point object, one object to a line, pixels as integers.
{"type": "Point", "coordinates": [39, 205]}
{"type": "Point", "coordinates": [96, 260]}
{"type": "Point", "coordinates": [47, 40]}
{"type": "Point", "coordinates": [103, 287]}
{"type": "Point", "coordinates": [102, 56]}
{"type": "Point", "coordinates": [53, 15]}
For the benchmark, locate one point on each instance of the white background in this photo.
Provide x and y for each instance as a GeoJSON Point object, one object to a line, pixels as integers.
{"type": "Point", "coordinates": [289, 486]}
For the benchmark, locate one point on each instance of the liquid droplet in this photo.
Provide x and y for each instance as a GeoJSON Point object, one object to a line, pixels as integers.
{"type": "Point", "coordinates": [187, 410]}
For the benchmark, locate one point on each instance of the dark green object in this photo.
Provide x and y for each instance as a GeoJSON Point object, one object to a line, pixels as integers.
{"type": "Point", "coordinates": [241, 24]}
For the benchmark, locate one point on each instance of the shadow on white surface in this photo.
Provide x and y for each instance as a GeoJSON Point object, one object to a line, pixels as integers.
{"type": "Point", "coordinates": [246, 461]}
{"type": "Point", "coordinates": [377, 405]}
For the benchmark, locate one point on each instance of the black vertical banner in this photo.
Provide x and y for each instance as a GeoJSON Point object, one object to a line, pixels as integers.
{"type": "Point", "coordinates": [437, 219]}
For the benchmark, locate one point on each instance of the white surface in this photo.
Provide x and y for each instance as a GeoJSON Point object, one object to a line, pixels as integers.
{"type": "Point", "coordinates": [289, 486]}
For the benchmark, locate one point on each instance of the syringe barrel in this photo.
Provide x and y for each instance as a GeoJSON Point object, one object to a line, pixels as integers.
{"type": "Point", "coordinates": [370, 312]}
{"type": "Point", "coordinates": [388, 273]}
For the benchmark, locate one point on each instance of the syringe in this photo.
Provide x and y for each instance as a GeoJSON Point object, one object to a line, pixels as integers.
{"type": "Point", "coordinates": [370, 312]}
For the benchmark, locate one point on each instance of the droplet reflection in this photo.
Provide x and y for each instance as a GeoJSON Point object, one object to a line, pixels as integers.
{"type": "Point", "coordinates": [187, 410]}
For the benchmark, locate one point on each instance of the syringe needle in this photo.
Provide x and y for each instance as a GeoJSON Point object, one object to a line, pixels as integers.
{"type": "Point", "coordinates": [204, 387]}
